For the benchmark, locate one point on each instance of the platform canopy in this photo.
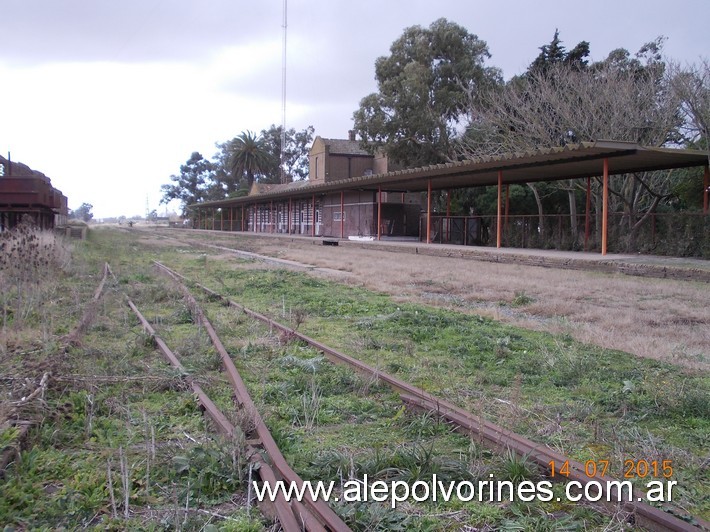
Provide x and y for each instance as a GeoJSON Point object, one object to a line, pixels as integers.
{"type": "Point", "coordinates": [550, 164]}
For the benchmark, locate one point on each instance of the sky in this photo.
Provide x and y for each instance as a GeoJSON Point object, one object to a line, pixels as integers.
{"type": "Point", "coordinates": [109, 97]}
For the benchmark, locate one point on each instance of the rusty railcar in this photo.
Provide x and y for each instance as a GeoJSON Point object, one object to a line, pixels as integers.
{"type": "Point", "coordinates": [27, 194]}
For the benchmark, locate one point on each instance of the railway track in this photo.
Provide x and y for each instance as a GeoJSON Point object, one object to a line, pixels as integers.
{"type": "Point", "coordinates": [492, 435]}
{"type": "Point", "coordinates": [311, 514]}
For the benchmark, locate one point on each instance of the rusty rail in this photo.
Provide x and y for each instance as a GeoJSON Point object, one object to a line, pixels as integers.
{"type": "Point", "coordinates": [319, 514]}
{"type": "Point", "coordinates": [287, 514]}
{"type": "Point", "coordinates": [491, 434]}
{"type": "Point", "coordinates": [90, 311]}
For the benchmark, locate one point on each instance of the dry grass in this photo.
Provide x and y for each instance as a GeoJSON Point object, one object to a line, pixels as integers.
{"type": "Point", "coordinates": [655, 318]}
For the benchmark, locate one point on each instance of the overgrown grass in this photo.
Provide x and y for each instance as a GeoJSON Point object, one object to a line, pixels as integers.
{"type": "Point", "coordinates": [122, 409]}
{"type": "Point", "coordinates": [588, 402]}
{"type": "Point", "coordinates": [118, 441]}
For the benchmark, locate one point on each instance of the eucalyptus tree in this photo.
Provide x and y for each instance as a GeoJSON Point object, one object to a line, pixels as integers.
{"type": "Point", "coordinates": [424, 88]}
{"type": "Point", "coordinates": [295, 153]}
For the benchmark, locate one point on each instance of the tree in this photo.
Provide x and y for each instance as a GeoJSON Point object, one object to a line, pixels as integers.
{"type": "Point", "coordinates": [83, 212]}
{"type": "Point", "coordinates": [296, 149]}
{"type": "Point", "coordinates": [248, 156]}
{"type": "Point", "coordinates": [194, 183]}
{"type": "Point", "coordinates": [424, 87]}
{"type": "Point", "coordinates": [621, 98]}
{"type": "Point", "coordinates": [554, 54]}
{"type": "Point", "coordinates": [691, 86]}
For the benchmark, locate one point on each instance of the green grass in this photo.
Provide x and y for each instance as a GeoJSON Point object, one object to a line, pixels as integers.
{"type": "Point", "coordinates": [588, 402]}
{"type": "Point", "coordinates": [585, 401]}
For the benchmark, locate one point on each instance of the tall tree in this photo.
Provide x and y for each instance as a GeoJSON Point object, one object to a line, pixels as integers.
{"type": "Point", "coordinates": [621, 98]}
{"type": "Point", "coordinates": [691, 86]}
{"type": "Point", "coordinates": [423, 90]}
{"type": "Point", "coordinates": [248, 157]}
{"type": "Point", "coordinates": [194, 183]}
{"type": "Point", "coordinates": [83, 212]}
{"type": "Point", "coordinates": [555, 53]}
{"type": "Point", "coordinates": [295, 163]}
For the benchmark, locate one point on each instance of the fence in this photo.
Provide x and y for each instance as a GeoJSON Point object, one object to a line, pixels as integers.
{"type": "Point", "coordinates": [685, 234]}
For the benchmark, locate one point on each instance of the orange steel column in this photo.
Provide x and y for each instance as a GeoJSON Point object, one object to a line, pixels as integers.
{"type": "Point", "coordinates": [706, 189]}
{"type": "Point", "coordinates": [271, 216]}
{"type": "Point", "coordinates": [586, 212]}
{"type": "Point", "coordinates": [499, 218]}
{"type": "Point", "coordinates": [313, 225]}
{"type": "Point", "coordinates": [428, 212]}
{"type": "Point", "coordinates": [342, 214]}
{"type": "Point", "coordinates": [605, 205]}
{"type": "Point", "coordinates": [290, 214]}
{"type": "Point", "coordinates": [379, 212]}
{"type": "Point", "coordinates": [507, 209]}
{"type": "Point", "coordinates": [448, 214]}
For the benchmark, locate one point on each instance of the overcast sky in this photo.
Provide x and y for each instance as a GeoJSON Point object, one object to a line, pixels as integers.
{"type": "Point", "coordinates": [109, 97]}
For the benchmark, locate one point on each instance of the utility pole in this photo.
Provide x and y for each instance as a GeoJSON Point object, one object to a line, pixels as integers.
{"type": "Point", "coordinates": [283, 96]}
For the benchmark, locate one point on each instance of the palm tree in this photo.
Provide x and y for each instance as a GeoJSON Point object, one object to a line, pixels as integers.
{"type": "Point", "coordinates": [248, 156]}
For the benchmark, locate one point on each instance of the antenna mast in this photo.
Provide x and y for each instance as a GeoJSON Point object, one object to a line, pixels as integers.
{"type": "Point", "coordinates": [283, 98]}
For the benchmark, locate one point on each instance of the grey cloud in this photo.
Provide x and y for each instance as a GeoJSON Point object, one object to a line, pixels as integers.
{"type": "Point", "coordinates": [43, 31]}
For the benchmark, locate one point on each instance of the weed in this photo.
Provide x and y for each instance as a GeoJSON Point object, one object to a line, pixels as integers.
{"type": "Point", "coordinates": [426, 425]}
{"type": "Point", "coordinates": [533, 518]}
{"type": "Point", "coordinates": [521, 299]}
{"type": "Point", "coordinates": [310, 365]}
{"type": "Point", "coordinates": [375, 517]}
{"type": "Point", "coordinates": [311, 403]}
{"type": "Point", "coordinates": [518, 468]}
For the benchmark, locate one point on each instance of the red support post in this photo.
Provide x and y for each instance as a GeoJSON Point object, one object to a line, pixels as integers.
{"type": "Point", "coordinates": [342, 214]}
{"type": "Point", "coordinates": [448, 214]}
{"type": "Point", "coordinates": [605, 206]}
{"type": "Point", "coordinates": [313, 225]}
{"type": "Point", "coordinates": [706, 189]}
{"type": "Point", "coordinates": [507, 210]}
{"type": "Point", "coordinates": [586, 213]}
{"type": "Point", "coordinates": [428, 212]}
{"type": "Point", "coordinates": [379, 212]}
{"type": "Point", "coordinates": [499, 216]}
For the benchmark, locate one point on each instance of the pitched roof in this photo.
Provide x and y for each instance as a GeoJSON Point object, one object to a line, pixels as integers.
{"type": "Point", "coordinates": [345, 147]}
{"type": "Point", "coordinates": [258, 189]}
{"type": "Point", "coordinates": [546, 164]}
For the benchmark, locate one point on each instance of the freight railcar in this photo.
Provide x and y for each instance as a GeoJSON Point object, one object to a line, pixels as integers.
{"type": "Point", "coordinates": [28, 195]}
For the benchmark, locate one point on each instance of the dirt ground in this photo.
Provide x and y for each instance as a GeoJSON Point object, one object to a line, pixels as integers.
{"type": "Point", "coordinates": [662, 319]}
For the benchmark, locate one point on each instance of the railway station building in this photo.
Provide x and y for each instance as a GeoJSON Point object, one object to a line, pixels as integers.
{"type": "Point", "coordinates": [352, 194]}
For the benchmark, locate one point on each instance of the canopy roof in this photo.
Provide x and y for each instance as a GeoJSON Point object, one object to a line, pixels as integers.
{"type": "Point", "coordinates": [551, 164]}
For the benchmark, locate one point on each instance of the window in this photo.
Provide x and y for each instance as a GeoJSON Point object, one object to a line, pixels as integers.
{"type": "Point", "coordinates": [338, 216]}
